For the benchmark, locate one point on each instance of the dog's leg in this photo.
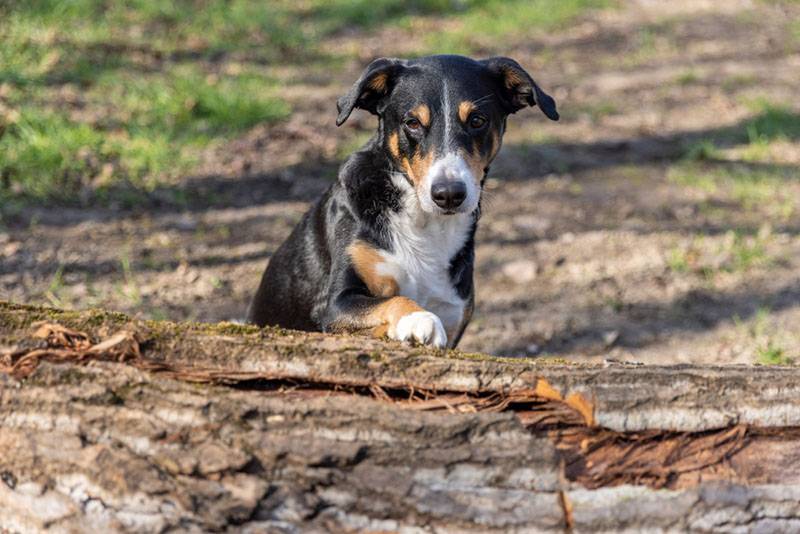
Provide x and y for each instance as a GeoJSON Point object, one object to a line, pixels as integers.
{"type": "Point", "coordinates": [398, 318]}
{"type": "Point", "coordinates": [362, 299]}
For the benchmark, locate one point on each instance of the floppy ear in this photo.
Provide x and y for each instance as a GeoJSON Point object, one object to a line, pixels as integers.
{"type": "Point", "coordinates": [517, 88]}
{"type": "Point", "coordinates": [374, 84]}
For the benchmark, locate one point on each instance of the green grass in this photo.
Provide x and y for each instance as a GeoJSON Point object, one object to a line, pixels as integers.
{"type": "Point", "coordinates": [594, 111]}
{"type": "Point", "coordinates": [738, 81]}
{"type": "Point", "coordinates": [648, 42]}
{"type": "Point", "coordinates": [678, 260]}
{"type": "Point", "coordinates": [133, 118]}
{"type": "Point", "coordinates": [768, 350]}
{"type": "Point", "coordinates": [781, 2]}
{"type": "Point", "coordinates": [483, 23]}
{"type": "Point", "coordinates": [745, 252]}
{"type": "Point", "coordinates": [688, 77]}
{"type": "Point", "coordinates": [737, 252]}
{"type": "Point", "coordinates": [761, 189]}
{"type": "Point", "coordinates": [764, 337]}
{"type": "Point", "coordinates": [772, 122]}
{"type": "Point", "coordinates": [151, 129]}
{"type": "Point", "coordinates": [749, 176]}
{"type": "Point", "coordinates": [704, 150]}
{"type": "Point", "coordinates": [128, 289]}
{"type": "Point", "coordinates": [53, 292]}
{"type": "Point", "coordinates": [772, 354]}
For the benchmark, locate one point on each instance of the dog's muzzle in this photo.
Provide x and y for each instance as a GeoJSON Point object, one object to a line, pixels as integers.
{"type": "Point", "coordinates": [450, 186]}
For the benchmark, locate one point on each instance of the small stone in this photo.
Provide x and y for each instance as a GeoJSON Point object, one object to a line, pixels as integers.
{"type": "Point", "coordinates": [186, 223]}
{"type": "Point", "coordinates": [520, 271]}
{"type": "Point", "coordinates": [610, 337]}
{"type": "Point", "coordinates": [11, 248]}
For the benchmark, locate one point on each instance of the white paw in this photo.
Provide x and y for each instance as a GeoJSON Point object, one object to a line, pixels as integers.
{"type": "Point", "coordinates": [422, 327]}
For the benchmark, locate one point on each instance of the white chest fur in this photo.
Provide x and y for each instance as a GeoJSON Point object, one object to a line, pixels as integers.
{"type": "Point", "coordinates": [423, 246]}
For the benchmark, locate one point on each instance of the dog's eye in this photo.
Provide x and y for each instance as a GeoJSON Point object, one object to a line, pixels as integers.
{"type": "Point", "coordinates": [477, 122]}
{"type": "Point", "coordinates": [413, 124]}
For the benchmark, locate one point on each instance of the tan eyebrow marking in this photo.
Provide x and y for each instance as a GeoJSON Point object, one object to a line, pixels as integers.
{"type": "Point", "coordinates": [464, 109]}
{"type": "Point", "coordinates": [422, 114]}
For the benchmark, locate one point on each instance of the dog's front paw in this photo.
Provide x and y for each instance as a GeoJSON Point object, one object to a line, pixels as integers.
{"type": "Point", "coordinates": [422, 327]}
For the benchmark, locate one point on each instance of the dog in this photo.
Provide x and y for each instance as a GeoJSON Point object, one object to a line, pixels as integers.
{"type": "Point", "coordinates": [389, 248]}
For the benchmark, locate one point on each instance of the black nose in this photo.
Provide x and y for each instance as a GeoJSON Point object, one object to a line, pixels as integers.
{"type": "Point", "coordinates": [449, 195]}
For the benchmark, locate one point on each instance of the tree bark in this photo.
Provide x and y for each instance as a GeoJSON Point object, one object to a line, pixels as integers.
{"type": "Point", "coordinates": [110, 423]}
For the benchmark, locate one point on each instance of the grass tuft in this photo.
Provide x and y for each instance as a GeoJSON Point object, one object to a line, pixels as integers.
{"type": "Point", "coordinates": [773, 122]}
{"type": "Point", "coordinates": [736, 252]}
{"type": "Point", "coordinates": [704, 150]}
{"type": "Point", "coordinates": [688, 77]}
{"type": "Point", "coordinates": [772, 354]}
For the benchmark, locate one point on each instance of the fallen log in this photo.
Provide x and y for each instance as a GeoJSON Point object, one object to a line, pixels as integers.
{"type": "Point", "coordinates": [112, 423]}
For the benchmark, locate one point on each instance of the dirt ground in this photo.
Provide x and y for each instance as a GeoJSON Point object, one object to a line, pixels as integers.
{"type": "Point", "coordinates": [590, 247]}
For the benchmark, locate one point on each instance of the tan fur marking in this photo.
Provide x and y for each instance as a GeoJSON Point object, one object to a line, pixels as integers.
{"type": "Point", "coordinates": [421, 164]}
{"type": "Point", "coordinates": [378, 82]}
{"type": "Point", "coordinates": [394, 145]}
{"type": "Point", "coordinates": [380, 331]}
{"type": "Point", "coordinates": [365, 261]}
{"type": "Point", "coordinates": [379, 319]}
{"type": "Point", "coordinates": [417, 167]}
{"type": "Point", "coordinates": [422, 114]}
{"type": "Point", "coordinates": [475, 161]}
{"type": "Point", "coordinates": [387, 314]}
{"type": "Point", "coordinates": [511, 78]}
{"type": "Point", "coordinates": [464, 109]}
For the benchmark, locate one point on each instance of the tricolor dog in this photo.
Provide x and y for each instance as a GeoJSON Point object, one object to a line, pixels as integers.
{"type": "Point", "coordinates": [389, 248]}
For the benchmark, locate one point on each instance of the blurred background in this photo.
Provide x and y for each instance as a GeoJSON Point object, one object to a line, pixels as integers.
{"type": "Point", "coordinates": [154, 154]}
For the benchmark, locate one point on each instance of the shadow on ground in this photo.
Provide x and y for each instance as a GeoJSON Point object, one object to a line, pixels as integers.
{"type": "Point", "coordinates": [638, 325]}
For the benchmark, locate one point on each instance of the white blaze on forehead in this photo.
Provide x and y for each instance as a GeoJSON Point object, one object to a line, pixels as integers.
{"type": "Point", "coordinates": [446, 108]}
{"type": "Point", "coordinates": [450, 168]}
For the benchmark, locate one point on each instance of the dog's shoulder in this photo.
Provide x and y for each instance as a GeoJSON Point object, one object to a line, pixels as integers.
{"type": "Point", "coordinates": [370, 196]}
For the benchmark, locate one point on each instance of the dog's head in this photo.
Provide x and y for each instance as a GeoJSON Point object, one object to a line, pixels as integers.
{"type": "Point", "coordinates": [442, 119]}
